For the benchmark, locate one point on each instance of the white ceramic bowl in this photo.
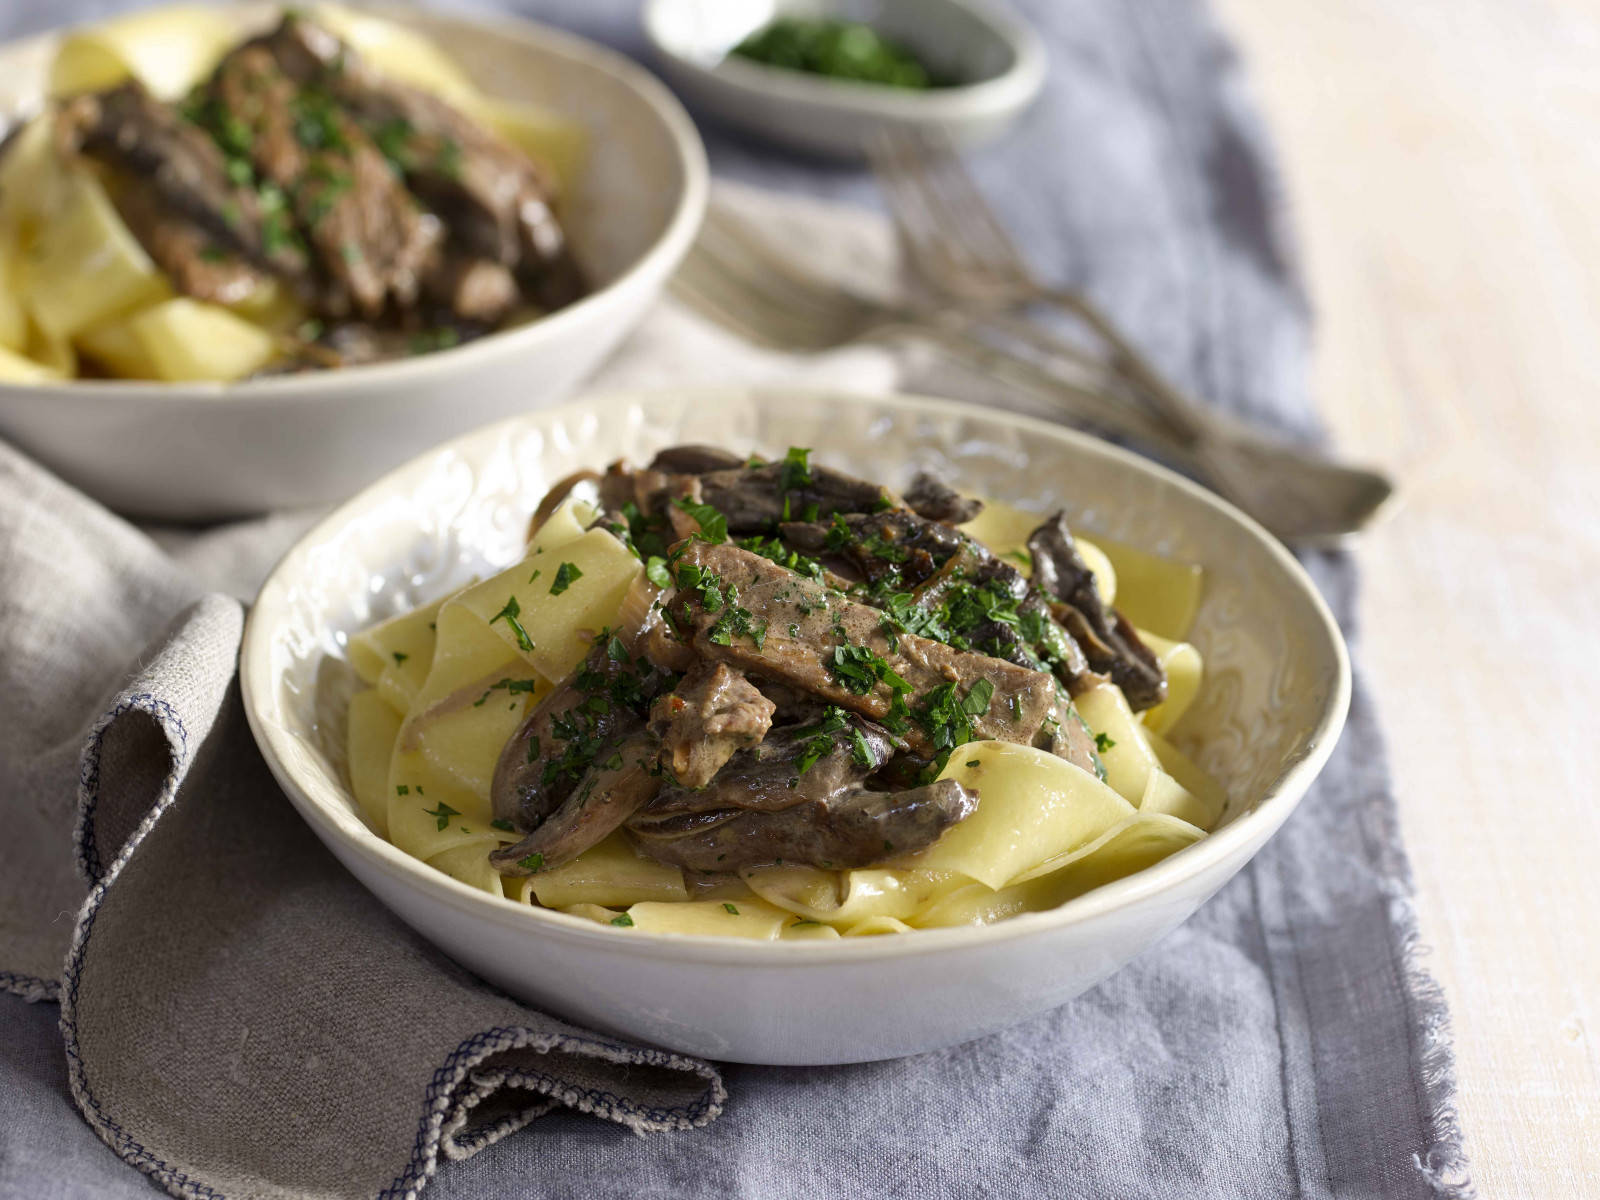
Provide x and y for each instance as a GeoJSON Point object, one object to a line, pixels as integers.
{"type": "Point", "coordinates": [1277, 685]}
{"type": "Point", "coordinates": [1000, 60]}
{"type": "Point", "coordinates": [201, 451]}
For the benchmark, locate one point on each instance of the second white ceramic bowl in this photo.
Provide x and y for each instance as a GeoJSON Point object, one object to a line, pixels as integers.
{"type": "Point", "coordinates": [204, 451]}
{"type": "Point", "coordinates": [1276, 687]}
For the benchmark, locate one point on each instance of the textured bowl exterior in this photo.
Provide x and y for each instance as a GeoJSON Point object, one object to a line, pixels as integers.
{"type": "Point", "coordinates": [205, 451]}
{"type": "Point", "coordinates": [1273, 702]}
{"type": "Point", "coordinates": [968, 38]}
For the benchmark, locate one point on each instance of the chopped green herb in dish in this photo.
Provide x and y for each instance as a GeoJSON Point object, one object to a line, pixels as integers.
{"type": "Point", "coordinates": [837, 49]}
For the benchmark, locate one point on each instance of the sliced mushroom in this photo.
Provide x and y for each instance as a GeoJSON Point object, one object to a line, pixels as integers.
{"type": "Point", "coordinates": [1109, 641]}
{"type": "Point", "coordinates": [930, 497]}
{"type": "Point", "coordinates": [611, 791]}
{"type": "Point", "coordinates": [799, 797]}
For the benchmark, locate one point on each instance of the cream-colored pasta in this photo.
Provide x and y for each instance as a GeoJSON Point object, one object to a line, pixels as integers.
{"type": "Point", "coordinates": [1184, 669]}
{"type": "Point", "coordinates": [611, 873]}
{"type": "Point", "coordinates": [1155, 593]}
{"type": "Point", "coordinates": [168, 50]}
{"type": "Point", "coordinates": [400, 53]}
{"type": "Point", "coordinates": [547, 137]}
{"type": "Point", "coordinates": [468, 861]}
{"type": "Point", "coordinates": [721, 918]}
{"type": "Point", "coordinates": [847, 898]}
{"type": "Point", "coordinates": [83, 265]}
{"type": "Point", "coordinates": [1123, 746]}
{"type": "Point", "coordinates": [1164, 794]}
{"type": "Point", "coordinates": [372, 729]}
{"type": "Point", "coordinates": [1031, 806]}
{"type": "Point", "coordinates": [404, 642]}
{"type": "Point", "coordinates": [190, 341]}
{"type": "Point", "coordinates": [550, 605]}
{"type": "Point", "coordinates": [1197, 782]}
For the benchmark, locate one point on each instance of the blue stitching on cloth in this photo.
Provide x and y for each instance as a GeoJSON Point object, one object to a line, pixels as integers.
{"type": "Point", "coordinates": [89, 771]}
{"type": "Point", "coordinates": [110, 1131]}
{"type": "Point", "coordinates": [439, 1098]}
{"type": "Point", "coordinates": [30, 987]}
{"type": "Point", "coordinates": [441, 1089]}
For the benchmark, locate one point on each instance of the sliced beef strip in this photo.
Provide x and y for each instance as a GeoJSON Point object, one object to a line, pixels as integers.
{"type": "Point", "coordinates": [191, 257]}
{"type": "Point", "coordinates": [496, 200]}
{"type": "Point", "coordinates": [806, 626]}
{"type": "Point", "coordinates": [712, 713]}
{"type": "Point", "coordinates": [894, 544]}
{"type": "Point", "coordinates": [584, 720]}
{"type": "Point", "coordinates": [761, 808]}
{"type": "Point", "coordinates": [127, 128]}
{"type": "Point", "coordinates": [930, 497]}
{"type": "Point", "coordinates": [616, 786]}
{"type": "Point", "coordinates": [1109, 642]}
{"type": "Point", "coordinates": [371, 241]}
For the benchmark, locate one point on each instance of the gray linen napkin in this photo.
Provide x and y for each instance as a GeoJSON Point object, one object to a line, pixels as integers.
{"type": "Point", "coordinates": [1285, 1042]}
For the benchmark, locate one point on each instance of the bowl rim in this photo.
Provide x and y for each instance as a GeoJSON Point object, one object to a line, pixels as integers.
{"type": "Point", "coordinates": [1276, 804]}
{"type": "Point", "coordinates": [661, 254]}
{"type": "Point", "coordinates": [1012, 88]}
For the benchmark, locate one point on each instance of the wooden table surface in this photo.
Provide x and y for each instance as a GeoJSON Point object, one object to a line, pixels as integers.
{"type": "Point", "coordinates": [1443, 164]}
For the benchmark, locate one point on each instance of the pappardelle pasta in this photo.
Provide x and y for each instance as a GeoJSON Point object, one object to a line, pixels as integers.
{"type": "Point", "coordinates": [765, 699]}
{"type": "Point", "coordinates": [196, 204]}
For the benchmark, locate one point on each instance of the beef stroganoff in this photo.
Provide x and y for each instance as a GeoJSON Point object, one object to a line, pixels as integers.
{"type": "Point", "coordinates": [199, 201]}
{"type": "Point", "coordinates": [733, 696]}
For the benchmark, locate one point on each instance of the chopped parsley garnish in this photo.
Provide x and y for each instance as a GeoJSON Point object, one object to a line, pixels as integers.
{"type": "Point", "coordinates": [655, 570]}
{"type": "Point", "coordinates": [399, 659]}
{"type": "Point", "coordinates": [819, 737]}
{"type": "Point", "coordinates": [566, 574]}
{"type": "Point", "coordinates": [795, 470]}
{"type": "Point", "coordinates": [946, 717]}
{"type": "Point", "coordinates": [536, 573]}
{"type": "Point", "coordinates": [1022, 556]}
{"type": "Point", "coordinates": [863, 753]}
{"type": "Point", "coordinates": [974, 762]}
{"type": "Point", "coordinates": [614, 763]}
{"type": "Point", "coordinates": [707, 586]}
{"type": "Point", "coordinates": [429, 341]}
{"type": "Point", "coordinates": [534, 862]}
{"type": "Point", "coordinates": [857, 669]}
{"type": "Point", "coordinates": [449, 158]}
{"type": "Point", "coordinates": [503, 826]}
{"type": "Point", "coordinates": [444, 812]}
{"type": "Point", "coordinates": [616, 651]}
{"type": "Point", "coordinates": [510, 614]}
{"type": "Point", "coordinates": [533, 748]}
{"type": "Point", "coordinates": [510, 686]}
{"type": "Point", "coordinates": [785, 556]}
{"type": "Point", "coordinates": [402, 790]}
{"type": "Point", "coordinates": [392, 138]}
{"type": "Point", "coordinates": [623, 921]}
{"type": "Point", "coordinates": [730, 907]}
{"type": "Point", "coordinates": [713, 525]}
{"type": "Point", "coordinates": [1103, 742]}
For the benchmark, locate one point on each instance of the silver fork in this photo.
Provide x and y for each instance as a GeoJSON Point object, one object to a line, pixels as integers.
{"type": "Point", "coordinates": [957, 245]}
{"type": "Point", "coordinates": [735, 276]}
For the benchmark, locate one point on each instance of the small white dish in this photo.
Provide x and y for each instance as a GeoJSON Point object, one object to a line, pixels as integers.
{"type": "Point", "coordinates": [1000, 61]}
{"type": "Point", "coordinates": [1273, 703]}
{"type": "Point", "coordinates": [208, 450]}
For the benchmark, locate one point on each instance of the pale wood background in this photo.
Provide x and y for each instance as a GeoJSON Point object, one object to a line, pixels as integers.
{"type": "Point", "coordinates": [1443, 164]}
